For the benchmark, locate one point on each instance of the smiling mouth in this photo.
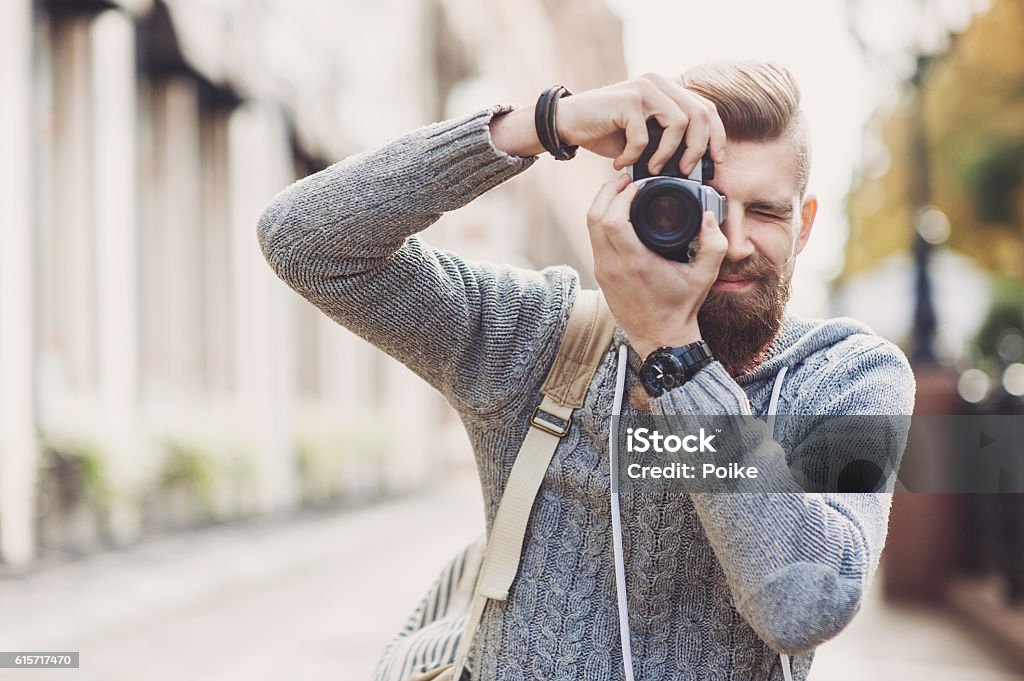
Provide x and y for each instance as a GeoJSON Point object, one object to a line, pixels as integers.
{"type": "Point", "coordinates": [731, 284]}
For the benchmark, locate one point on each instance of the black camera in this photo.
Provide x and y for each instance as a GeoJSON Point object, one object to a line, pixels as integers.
{"type": "Point", "coordinates": [668, 208]}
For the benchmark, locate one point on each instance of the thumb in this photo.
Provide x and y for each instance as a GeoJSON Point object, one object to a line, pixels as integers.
{"type": "Point", "coordinates": [712, 247]}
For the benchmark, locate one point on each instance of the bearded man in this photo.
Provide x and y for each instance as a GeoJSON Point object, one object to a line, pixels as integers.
{"type": "Point", "coordinates": [717, 585]}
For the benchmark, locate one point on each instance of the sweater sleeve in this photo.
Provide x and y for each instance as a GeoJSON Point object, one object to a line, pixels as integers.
{"type": "Point", "coordinates": [345, 239]}
{"type": "Point", "coordinates": [798, 563]}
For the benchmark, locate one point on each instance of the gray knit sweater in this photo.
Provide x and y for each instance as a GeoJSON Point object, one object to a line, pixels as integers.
{"type": "Point", "coordinates": [717, 584]}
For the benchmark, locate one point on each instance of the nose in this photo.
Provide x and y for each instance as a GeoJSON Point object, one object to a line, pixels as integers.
{"type": "Point", "coordinates": [735, 230]}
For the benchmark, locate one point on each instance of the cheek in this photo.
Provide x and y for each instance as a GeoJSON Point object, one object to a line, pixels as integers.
{"type": "Point", "coordinates": [778, 246]}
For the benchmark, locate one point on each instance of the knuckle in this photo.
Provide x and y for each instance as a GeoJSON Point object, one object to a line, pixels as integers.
{"type": "Point", "coordinates": [605, 275]}
{"type": "Point", "coordinates": [679, 120]}
{"type": "Point", "coordinates": [611, 270]}
{"type": "Point", "coordinates": [635, 98]}
{"type": "Point", "coordinates": [633, 268]}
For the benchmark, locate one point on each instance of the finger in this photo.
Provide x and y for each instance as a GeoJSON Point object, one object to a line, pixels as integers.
{"type": "Point", "coordinates": [635, 125]}
{"type": "Point", "coordinates": [673, 122]}
{"type": "Point", "coordinates": [687, 100]}
{"type": "Point", "coordinates": [697, 134]}
{"type": "Point", "coordinates": [711, 250]}
{"type": "Point", "coordinates": [608, 191]}
{"type": "Point", "coordinates": [604, 253]}
{"type": "Point", "coordinates": [616, 225]}
{"type": "Point", "coordinates": [717, 138]}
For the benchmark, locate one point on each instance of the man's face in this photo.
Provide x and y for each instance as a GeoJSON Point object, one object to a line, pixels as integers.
{"type": "Point", "coordinates": [767, 226]}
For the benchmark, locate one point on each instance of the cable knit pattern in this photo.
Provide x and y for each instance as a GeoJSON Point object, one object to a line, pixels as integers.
{"type": "Point", "coordinates": [718, 584]}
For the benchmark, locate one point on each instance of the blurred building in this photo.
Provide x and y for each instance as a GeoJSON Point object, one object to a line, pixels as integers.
{"type": "Point", "coordinates": [154, 373]}
{"type": "Point", "coordinates": [943, 178]}
{"type": "Point", "coordinates": [943, 159]}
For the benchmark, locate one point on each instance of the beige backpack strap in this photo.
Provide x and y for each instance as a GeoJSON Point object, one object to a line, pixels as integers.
{"type": "Point", "coordinates": [587, 337]}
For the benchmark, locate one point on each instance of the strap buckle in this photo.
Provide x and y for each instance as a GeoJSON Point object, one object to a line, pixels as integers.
{"type": "Point", "coordinates": [549, 423]}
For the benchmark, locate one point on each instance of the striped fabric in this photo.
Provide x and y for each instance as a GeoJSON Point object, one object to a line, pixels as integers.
{"type": "Point", "coordinates": [431, 635]}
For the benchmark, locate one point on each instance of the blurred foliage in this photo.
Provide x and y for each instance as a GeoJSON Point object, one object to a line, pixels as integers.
{"type": "Point", "coordinates": [73, 473]}
{"type": "Point", "coordinates": [973, 100]}
{"type": "Point", "coordinates": [1006, 311]}
{"type": "Point", "coordinates": [189, 465]}
{"type": "Point", "coordinates": [209, 470]}
{"type": "Point", "coordinates": [339, 460]}
{"type": "Point", "coordinates": [996, 185]}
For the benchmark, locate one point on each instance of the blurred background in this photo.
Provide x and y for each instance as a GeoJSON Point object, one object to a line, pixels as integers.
{"type": "Point", "coordinates": [195, 475]}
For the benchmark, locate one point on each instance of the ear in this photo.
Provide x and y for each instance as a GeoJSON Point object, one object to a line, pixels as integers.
{"type": "Point", "coordinates": [807, 213]}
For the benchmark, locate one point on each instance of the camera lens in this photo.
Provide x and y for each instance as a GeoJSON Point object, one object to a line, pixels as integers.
{"type": "Point", "coordinates": [666, 215]}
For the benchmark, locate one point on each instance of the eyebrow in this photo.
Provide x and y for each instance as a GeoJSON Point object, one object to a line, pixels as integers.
{"type": "Point", "coordinates": [780, 208]}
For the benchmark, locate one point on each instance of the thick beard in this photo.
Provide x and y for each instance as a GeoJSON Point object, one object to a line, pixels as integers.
{"type": "Point", "coordinates": [739, 326]}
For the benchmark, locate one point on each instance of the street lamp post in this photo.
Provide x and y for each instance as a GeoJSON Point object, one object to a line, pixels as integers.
{"type": "Point", "coordinates": [919, 185]}
{"type": "Point", "coordinates": [900, 39]}
{"type": "Point", "coordinates": [935, 25]}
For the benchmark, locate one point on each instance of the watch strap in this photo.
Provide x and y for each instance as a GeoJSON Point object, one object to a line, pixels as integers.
{"type": "Point", "coordinates": [694, 357]}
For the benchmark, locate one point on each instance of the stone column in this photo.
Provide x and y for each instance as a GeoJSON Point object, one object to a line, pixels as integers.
{"type": "Point", "coordinates": [114, 208]}
{"type": "Point", "coordinates": [263, 306]}
{"type": "Point", "coordinates": [18, 450]}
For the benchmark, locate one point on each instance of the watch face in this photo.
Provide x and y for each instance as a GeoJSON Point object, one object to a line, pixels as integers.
{"type": "Point", "coordinates": [662, 372]}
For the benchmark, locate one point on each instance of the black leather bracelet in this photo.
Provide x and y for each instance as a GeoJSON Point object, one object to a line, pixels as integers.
{"type": "Point", "coordinates": [544, 119]}
{"type": "Point", "coordinates": [540, 120]}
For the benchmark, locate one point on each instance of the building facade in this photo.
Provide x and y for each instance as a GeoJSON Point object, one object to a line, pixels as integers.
{"type": "Point", "coordinates": [154, 373]}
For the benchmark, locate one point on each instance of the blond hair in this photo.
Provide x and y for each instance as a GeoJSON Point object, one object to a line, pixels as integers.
{"type": "Point", "coordinates": [758, 102]}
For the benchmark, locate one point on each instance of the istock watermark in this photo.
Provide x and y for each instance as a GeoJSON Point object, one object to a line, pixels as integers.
{"type": "Point", "coordinates": [648, 440]}
{"type": "Point", "coordinates": [642, 440]}
{"type": "Point", "coordinates": [942, 454]}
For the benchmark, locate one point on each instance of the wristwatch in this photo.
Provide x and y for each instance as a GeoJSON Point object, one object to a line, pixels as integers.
{"type": "Point", "coordinates": [667, 368]}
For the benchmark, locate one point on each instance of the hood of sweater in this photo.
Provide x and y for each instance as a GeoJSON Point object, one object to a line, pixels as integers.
{"type": "Point", "coordinates": [798, 338]}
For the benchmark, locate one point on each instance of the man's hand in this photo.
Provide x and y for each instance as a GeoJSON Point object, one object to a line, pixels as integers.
{"type": "Point", "coordinates": [612, 122]}
{"type": "Point", "coordinates": [654, 299]}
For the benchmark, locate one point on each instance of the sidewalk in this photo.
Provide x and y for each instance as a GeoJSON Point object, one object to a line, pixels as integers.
{"type": "Point", "coordinates": [905, 643]}
{"type": "Point", "coordinates": [318, 597]}
{"type": "Point", "coordinates": [314, 598]}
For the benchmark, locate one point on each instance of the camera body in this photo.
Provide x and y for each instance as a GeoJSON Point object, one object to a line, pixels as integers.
{"type": "Point", "coordinates": [668, 208]}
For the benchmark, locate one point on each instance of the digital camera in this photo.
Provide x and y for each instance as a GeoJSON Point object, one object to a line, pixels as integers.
{"type": "Point", "coordinates": [668, 208]}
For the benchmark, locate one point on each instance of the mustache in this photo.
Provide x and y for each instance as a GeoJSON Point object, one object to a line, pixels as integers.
{"type": "Point", "coordinates": [752, 267]}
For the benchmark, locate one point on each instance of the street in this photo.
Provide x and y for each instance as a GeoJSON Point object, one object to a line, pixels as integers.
{"type": "Point", "coordinates": [317, 597]}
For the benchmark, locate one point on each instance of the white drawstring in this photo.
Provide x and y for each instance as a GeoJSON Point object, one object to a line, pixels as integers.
{"type": "Point", "coordinates": [620, 569]}
{"type": "Point", "coordinates": [786, 671]}
{"type": "Point", "coordinates": [773, 403]}
{"type": "Point", "coordinates": [773, 407]}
